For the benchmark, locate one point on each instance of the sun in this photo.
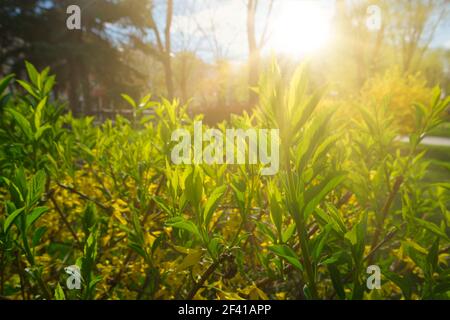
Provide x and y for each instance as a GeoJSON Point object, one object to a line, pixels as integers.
{"type": "Point", "coordinates": [300, 27]}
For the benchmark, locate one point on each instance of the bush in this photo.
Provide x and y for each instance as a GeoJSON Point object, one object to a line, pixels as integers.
{"type": "Point", "coordinates": [400, 92]}
{"type": "Point", "coordinates": [107, 199]}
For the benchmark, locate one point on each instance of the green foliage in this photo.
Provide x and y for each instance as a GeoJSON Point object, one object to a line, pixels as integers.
{"type": "Point", "coordinates": [107, 198]}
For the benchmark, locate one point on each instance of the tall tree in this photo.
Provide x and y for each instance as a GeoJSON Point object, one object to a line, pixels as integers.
{"type": "Point", "coordinates": [161, 45]}
{"type": "Point", "coordinates": [37, 32]}
{"type": "Point", "coordinates": [415, 25]}
{"type": "Point", "coordinates": [255, 45]}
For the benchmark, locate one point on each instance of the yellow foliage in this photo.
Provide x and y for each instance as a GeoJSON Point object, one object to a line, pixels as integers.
{"type": "Point", "coordinates": [400, 91]}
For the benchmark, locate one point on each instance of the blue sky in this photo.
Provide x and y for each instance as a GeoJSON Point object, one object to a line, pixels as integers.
{"type": "Point", "coordinates": [227, 20]}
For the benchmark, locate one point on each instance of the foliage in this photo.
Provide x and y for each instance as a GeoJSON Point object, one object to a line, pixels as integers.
{"type": "Point", "coordinates": [401, 92]}
{"type": "Point", "coordinates": [107, 198]}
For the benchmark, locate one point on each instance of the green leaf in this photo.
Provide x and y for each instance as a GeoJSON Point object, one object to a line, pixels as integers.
{"type": "Point", "coordinates": [239, 196]}
{"type": "Point", "coordinates": [41, 131]}
{"type": "Point", "coordinates": [309, 107]}
{"type": "Point", "coordinates": [182, 223]}
{"type": "Point", "coordinates": [49, 83]}
{"type": "Point", "coordinates": [288, 254]}
{"type": "Point", "coordinates": [4, 100]}
{"type": "Point", "coordinates": [297, 87]}
{"type": "Point", "coordinates": [38, 235]}
{"type": "Point", "coordinates": [11, 218]}
{"type": "Point", "coordinates": [212, 203]}
{"type": "Point", "coordinates": [5, 82]}
{"type": "Point", "coordinates": [336, 280]}
{"type": "Point", "coordinates": [20, 181]}
{"type": "Point", "coordinates": [432, 228]}
{"type": "Point", "coordinates": [352, 235]}
{"type": "Point", "coordinates": [130, 100]}
{"type": "Point", "coordinates": [38, 113]}
{"type": "Point", "coordinates": [36, 186]}
{"type": "Point", "coordinates": [213, 246]}
{"type": "Point", "coordinates": [15, 191]}
{"type": "Point", "coordinates": [266, 230]}
{"type": "Point", "coordinates": [287, 234]}
{"type": "Point", "coordinates": [86, 150]}
{"type": "Point", "coordinates": [35, 215]}
{"type": "Point", "coordinates": [320, 243]}
{"type": "Point", "coordinates": [193, 258]}
{"type": "Point", "coordinates": [315, 196]}
{"type": "Point", "coordinates": [276, 213]}
{"type": "Point", "coordinates": [421, 112]}
{"type": "Point", "coordinates": [28, 88]}
{"type": "Point", "coordinates": [162, 204]}
{"type": "Point", "coordinates": [194, 186]}
{"type": "Point", "coordinates": [59, 293]}
{"type": "Point", "coordinates": [89, 217]}
{"type": "Point", "coordinates": [402, 283]}
{"type": "Point", "coordinates": [138, 249]}
{"type": "Point", "coordinates": [33, 74]}
{"type": "Point", "coordinates": [329, 217]}
{"type": "Point", "coordinates": [90, 254]}
{"type": "Point", "coordinates": [22, 122]}
{"type": "Point", "coordinates": [94, 282]}
{"type": "Point", "coordinates": [442, 287]}
{"type": "Point", "coordinates": [433, 253]}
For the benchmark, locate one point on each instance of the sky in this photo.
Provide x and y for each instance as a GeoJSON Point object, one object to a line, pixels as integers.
{"type": "Point", "coordinates": [305, 21]}
{"type": "Point", "coordinates": [227, 20]}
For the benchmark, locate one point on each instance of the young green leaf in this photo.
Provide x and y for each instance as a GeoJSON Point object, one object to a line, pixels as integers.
{"type": "Point", "coordinates": [35, 215]}
{"type": "Point", "coordinates": [182, 223]}
{"type": "Point", "coordinates": [288, 254]}
{"type": "Point", "coordinates": [22, 122]}
{"type": "Point", "coordinates": [212, 203]}
{"type": "Point", "coordinates": [11, 218]}
{"type": "Point", "coordinates": [59, 293]}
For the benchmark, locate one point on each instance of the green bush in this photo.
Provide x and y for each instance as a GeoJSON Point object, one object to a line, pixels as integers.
{"type": "Point", "coordinates": [107, 199]}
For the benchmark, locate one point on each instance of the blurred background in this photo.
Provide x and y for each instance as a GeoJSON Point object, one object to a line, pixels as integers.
{"type": "Point", "coordinates": [210, 53]}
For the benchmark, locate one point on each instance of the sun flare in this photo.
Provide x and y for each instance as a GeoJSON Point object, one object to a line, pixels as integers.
{"type": "Point", "coordinates": [300, 27]}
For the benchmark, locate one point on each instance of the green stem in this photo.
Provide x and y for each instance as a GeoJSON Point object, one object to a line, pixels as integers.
{"type": "Point", "coordinates": [30, 257]}
{"type": "Point", "coordinates": [307, 260]}
{"type": "Point", "coordinates": [26, 245]}
{"type": "Point", "coordinates": [2, 273]}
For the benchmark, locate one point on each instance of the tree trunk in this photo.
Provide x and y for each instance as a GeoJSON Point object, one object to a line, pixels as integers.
{"type": "Point", "coordinates": [168, 76]}
{"type": "Point", "coordinates": [168, 48]}
{"type": "Point", "coordinates": [74, 98]}
{"type": "Point", "coordinates": [254, 53]}
{"type": "Point", "coordinates": [86, 89]}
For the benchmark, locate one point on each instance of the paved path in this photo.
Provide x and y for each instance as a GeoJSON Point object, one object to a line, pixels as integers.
{"type": "Point", "coordinates": [431, 141]}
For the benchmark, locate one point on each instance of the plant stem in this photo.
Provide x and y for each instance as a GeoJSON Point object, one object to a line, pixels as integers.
{"type": "Point", "coordinates": [66, 222]}
{"type": "Point", "coordinates": [2, 273]}
{"type": "Point", "coordinates": [21, 278]}
{"type": "Point", "coordinates": [206, 275]}
{"type": "Point", "coordinates": [384, 212]}
{"type": "Point", "coordinates": [82, 195]}
{"type": "Point", "coordinates": [307, 260]}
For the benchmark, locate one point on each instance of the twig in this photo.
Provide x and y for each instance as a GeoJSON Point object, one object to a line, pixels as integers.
{"type": "Point", "coordinates": [82, 195]}
{"type": "Point", "coordinates": [21, 278]}
{"type": "Point", "coordinates": [207, 274]}
{"type": "Point", "coordinates": [130, 255]}
{"type": "Point", "coordinates": [344, 199]}
{"type": "Point", "coordinates": [66, 222]}
{"type": "Point", "coordinates": [388, 237]}
{"type": "Point", "coordinates": [115, 281]}
{"type": "Point", "coordinates": [384, 212]}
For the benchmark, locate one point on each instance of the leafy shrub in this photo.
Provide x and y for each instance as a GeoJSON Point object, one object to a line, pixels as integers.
{"type": "Point", "coordinates": [108, 199]}
{"type": "Point", "coordinates": [400, 92]}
